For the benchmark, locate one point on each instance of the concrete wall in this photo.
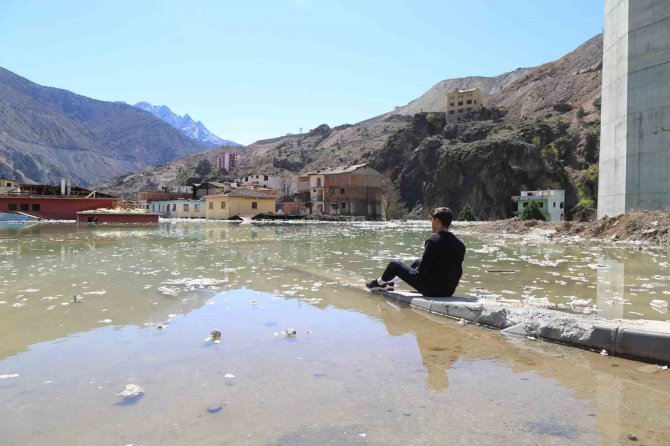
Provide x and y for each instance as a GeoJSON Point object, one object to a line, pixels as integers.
{"type": "Point", "coordinates": [635, 117]}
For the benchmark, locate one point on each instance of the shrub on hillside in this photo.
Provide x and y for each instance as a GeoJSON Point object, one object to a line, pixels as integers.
{"type": "Point", "coordinates": [533, 212]}
{"type": "Point", "coordinates": [466, 214]}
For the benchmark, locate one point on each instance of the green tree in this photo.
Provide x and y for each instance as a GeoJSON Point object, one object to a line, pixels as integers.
{"type": "Point", "coordinates": [533, 212]}
{"type": "Point", "coordinates": [467, 214]}
{"type": "Point", "coordinates": [204, 168]}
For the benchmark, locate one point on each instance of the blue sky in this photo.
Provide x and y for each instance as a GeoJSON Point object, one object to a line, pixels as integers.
{"type": "Point", "coordinates": [257, 69]}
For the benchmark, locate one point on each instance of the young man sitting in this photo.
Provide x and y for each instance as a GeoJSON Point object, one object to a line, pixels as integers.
{"type": "Point", "coordinates": [437, 273]}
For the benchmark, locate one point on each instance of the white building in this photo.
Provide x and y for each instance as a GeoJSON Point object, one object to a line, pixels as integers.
{"type": "Point", "coordinates": [178, 208]}
{"type": "Point", "coordinates": [550, 202]}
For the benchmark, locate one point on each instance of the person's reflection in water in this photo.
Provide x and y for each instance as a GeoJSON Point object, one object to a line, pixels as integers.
{"type": "Point", "coordinates": [439, 345]}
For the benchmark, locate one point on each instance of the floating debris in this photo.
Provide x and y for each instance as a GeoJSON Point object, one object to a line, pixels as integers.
{"type": "Point", "coordinates": [76, 298]}
{"type": "Point", "coordinates": [214, 408]}
{"type": "Point", "coordinates": [229, 376]}
{"type": "Point", "coordinates": [131, 391]}
{"type": "Point", "coordinates": [10, 375]}
{"type": "Point", "coordinates": [632, 437]}
{"type": "Point", "coordinates": [289, 333]}
{"type": "Point", "coordinates": [604, 352]}
{"type": "Point", "coordinates": [659, 303]}
{"type": "Point", "coordinates": [462, 322]}
{"type": "Point", "coordinates": [214, 336]}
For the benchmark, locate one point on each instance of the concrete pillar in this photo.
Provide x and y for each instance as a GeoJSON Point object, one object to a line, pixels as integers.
{"type": "Point", "coordinates": [635, 116]}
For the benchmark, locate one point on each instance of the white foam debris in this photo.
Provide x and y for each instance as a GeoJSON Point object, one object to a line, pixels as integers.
{"type": "Point", "coordinates": [9, 375]}
{"type": "Point", "coordinates": [105, 321]}
{"type": "Point", "coordinates": [99, 292]}
{"type": "Point", "coordinates": [229, 376]}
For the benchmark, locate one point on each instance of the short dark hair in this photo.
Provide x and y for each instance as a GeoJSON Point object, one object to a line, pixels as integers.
{"type": "Point", "coordinates": [444, 215]}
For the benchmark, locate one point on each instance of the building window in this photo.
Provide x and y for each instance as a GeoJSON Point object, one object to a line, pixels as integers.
{"type": "Point", "coordinates": [174, 207]}
{"type": "Point", "coordinates": [451, 112]}
{"type": "Point", "coordinates": [36, 207]}
{"type": "Point", "coordinates": [254, 205]}
{"type": "Point", "coordinates": [460, 102]}
{"type": "Point", "coordinates": [11, 206]}
{"type": "Point", "coordinates": [475, 101]}
{"type": "Point", "coordinates": [469, 101]}
{"type": "Point", "coordinates": [343, 205]}
{"type": "Point", "coordinates": [153, 207]}
{"type": "Point", "coordinates": [525, 204]}
{"type": "Point", "coordinates": [196, 207]}
{"type": "Point", "coordinates": [318, 182]}
{"type": "Point", "coordinates": [561, 207]}
{"type": "Point", "coordinates": [554, 204]}
{"type": "Point", "coordinates": [223, 205]}
{"type": "Point", "coordinates": [23, 206]}
{"type": "Point", "coordinates": [451, 104]}
{"type": "Point", "coordinates": [541, 204]}
{"type": "Point", "coordinates": [186, 208]}
{"type": "Point", "coordinates": [211, 205]}
{"type": "Point", "coordinates": [265, 177]}
{"type": "Point", "coordinates": [341, 191]}
{"type": "Point", "coordinates": [460, 110]}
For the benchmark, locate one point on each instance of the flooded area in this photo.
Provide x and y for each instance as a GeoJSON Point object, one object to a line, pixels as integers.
{"type": "Point", "coordinates": [86, 311]}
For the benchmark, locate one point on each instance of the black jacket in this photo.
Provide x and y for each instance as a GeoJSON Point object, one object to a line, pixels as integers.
{"type": "Point", "coordinates": [441, 265]}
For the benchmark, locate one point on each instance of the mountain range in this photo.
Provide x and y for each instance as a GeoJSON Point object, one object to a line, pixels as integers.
{"type": "Point", "coordinates": [47, 133]}
{"type": "Point", "coordinates": [185, 124]}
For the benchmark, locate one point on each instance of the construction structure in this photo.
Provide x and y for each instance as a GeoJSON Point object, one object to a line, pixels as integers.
{"type": "Point", "coordinates": [634, 170]}
{"type": "Point", "coordinates": [550, 202]}
{"type": "Point", "coordinates": [353, 192]}
{"type": "Point", "coordinates": [461, 102]}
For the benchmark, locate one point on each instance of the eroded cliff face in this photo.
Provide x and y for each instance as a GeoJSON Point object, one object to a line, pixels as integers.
{"type": "Point", "coordinates": [484, 162]}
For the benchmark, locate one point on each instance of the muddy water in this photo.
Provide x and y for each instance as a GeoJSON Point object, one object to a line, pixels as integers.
{"type": "Point", "coordinates": [359, 371]}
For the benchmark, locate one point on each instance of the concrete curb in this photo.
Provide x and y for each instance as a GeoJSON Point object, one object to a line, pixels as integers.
{"type": "Point", "coordinates": [640, 339]}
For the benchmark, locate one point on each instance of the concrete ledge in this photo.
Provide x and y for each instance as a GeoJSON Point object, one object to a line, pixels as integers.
{"type": "Point", "coordinates": [641, 339]}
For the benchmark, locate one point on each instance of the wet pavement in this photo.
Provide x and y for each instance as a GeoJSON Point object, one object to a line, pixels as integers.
{"type": "Point", "coordinates": [359, 369]}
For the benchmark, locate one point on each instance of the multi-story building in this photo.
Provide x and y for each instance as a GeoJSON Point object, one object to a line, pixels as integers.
{"type": "Point", "coordinates": [461, 102]}
{"type": "Point", "coordinates": [227, 161]}
{"type": "Point", "coordinates": [550, 202]}
{"type": "Point", "coordinates": [354, 191]}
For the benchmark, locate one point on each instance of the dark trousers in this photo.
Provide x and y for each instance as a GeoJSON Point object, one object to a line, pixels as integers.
{"type": "Point", "coordinates": [408, 273]}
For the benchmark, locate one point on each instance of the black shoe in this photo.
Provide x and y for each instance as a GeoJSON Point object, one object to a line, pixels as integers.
{"type": "Point", "coordinates": [374, 285]}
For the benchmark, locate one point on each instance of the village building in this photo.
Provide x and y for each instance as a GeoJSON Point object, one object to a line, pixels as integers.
{"type": "Point", "coordinates": [550, 202]}
{"type": "Point", "coordinates": [461, 102]}
{"type": "Point", "coordinates": [227, 161]}
{"type": "Point", "coordinates": [180, 208]}
{"type": "Point", "coordinates": [241, 202]}
{"type": "Point", "coordinates": [351, 192]}
{"type": "Point", "coordinates": [210, 188]}
{"type": "Point", "coordinates": [283, 184]}
{"type": "Point", "coordinates": [6, 182]}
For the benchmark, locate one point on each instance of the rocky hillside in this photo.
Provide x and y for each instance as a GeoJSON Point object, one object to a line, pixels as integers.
{"type": "Point", "coordinates": [193, 168]}
{"type": "Point", "coordinates": [566, 84]}
{"type": "Point", "coordinates": [185, 124]}
{"type": "Point", "coordinates": [433, 99]}
{"type": "Point", "coordinates": [48, 133]}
